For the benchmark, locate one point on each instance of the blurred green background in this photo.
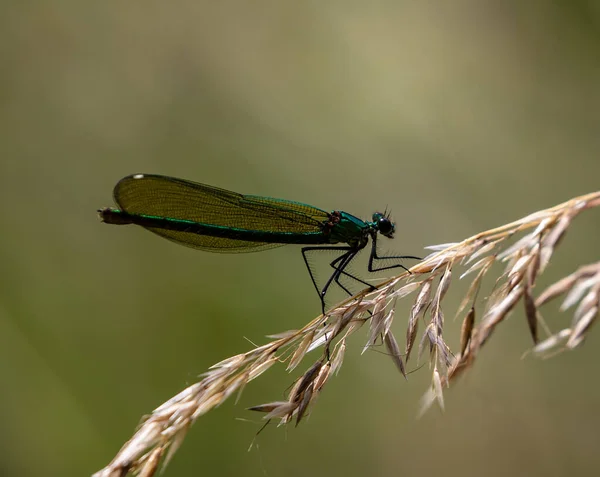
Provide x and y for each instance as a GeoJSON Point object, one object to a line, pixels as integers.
{"type": "Point", "coordinates": [459, 116]}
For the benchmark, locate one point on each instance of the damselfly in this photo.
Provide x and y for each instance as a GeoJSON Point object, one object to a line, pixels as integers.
{"type": "Point", "coordinates": [217, 220]}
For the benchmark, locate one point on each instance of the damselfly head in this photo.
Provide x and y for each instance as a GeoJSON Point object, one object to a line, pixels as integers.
{"type": "Point", "coordinates": [384, 225]}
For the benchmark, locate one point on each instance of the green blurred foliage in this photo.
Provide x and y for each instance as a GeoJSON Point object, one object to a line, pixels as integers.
{"type": "Point", "coordinates": [459, 116]}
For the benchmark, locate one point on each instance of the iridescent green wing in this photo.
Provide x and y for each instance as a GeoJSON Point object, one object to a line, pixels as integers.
{"type": "Point", "coordinates": [162, 196]}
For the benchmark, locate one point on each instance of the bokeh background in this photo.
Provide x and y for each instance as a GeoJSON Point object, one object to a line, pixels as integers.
{"type": "Point", "coordinates": [459, 116]}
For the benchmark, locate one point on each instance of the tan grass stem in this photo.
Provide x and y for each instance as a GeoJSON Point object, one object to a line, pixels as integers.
{"type": "Point", "coordinates": [524, 258]}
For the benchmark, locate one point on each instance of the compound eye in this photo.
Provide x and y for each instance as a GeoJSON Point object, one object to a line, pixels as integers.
{"type": "Point", "coordinates": [386, 227]}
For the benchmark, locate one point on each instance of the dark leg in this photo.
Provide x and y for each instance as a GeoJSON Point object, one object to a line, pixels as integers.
{"type": "Point", "coordinates": [345, 258]}
{"type": "Point", "coordinates": [341, 269]}
{"type": "Point", "coordinates": [348, 252]}
{"type": "Point", "coordinates": [339, 284]}
{"type": "Point", "coordinates": [338, 264]}
{"type": "Point", "coordinates": [374, 256]}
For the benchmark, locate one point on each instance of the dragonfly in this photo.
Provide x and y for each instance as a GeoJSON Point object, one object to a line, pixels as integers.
{"type": "Point", "coordinates": [209, 218]}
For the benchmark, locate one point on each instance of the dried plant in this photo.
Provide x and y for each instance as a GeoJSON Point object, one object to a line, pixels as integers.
{"type": "Point", "coordinates": [524, 258]}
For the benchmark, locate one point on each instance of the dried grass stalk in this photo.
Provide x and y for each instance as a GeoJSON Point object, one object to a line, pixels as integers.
{"type": "Point", "coordinates": [163, 431]}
